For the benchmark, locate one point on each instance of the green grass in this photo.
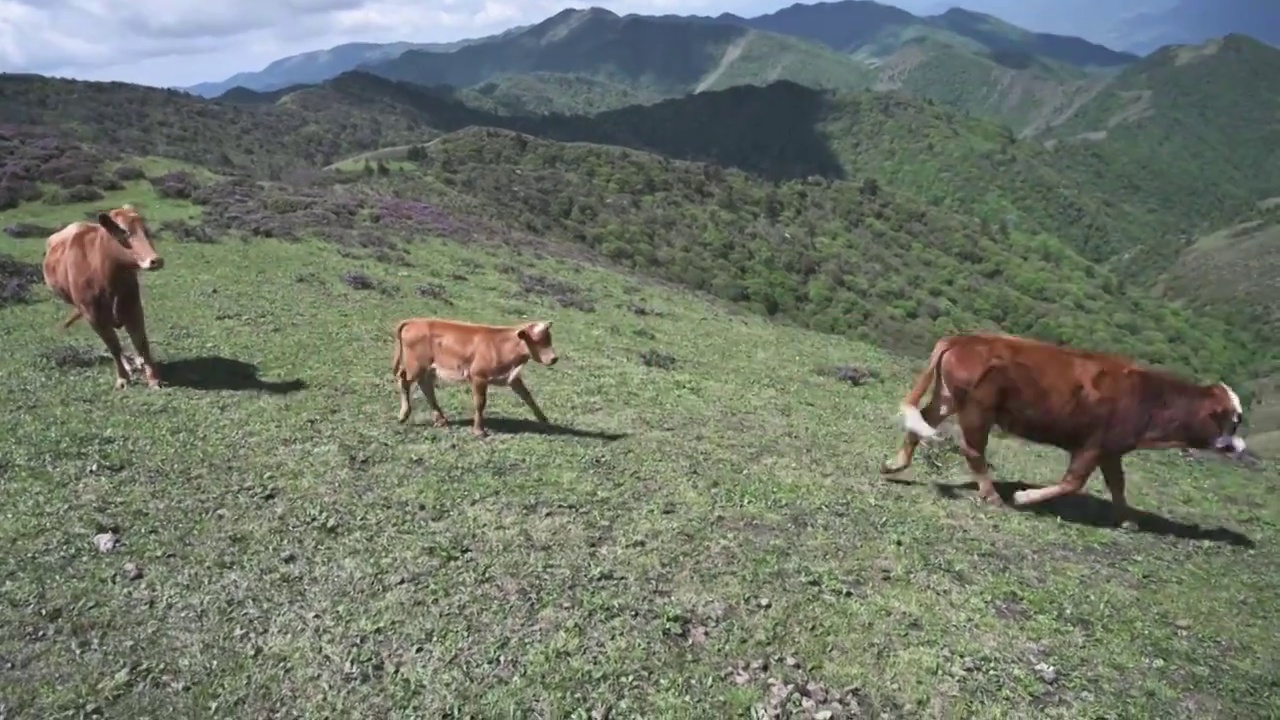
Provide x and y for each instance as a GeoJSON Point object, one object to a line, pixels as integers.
{"type": "Point", "coordinates": [303, 553]}
{"type": "Point", "coordinates": [137, 192]}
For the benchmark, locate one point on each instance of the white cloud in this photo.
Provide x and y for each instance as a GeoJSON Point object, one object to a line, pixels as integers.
{"type": "Point", "coordinates": [182, 42]}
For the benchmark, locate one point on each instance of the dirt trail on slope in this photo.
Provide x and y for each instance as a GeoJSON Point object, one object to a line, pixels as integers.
{"type": "Point", "coordinates": [731, 53]}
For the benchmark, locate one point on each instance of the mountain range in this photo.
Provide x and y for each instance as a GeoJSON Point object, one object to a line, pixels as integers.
{"type": "Point", "coordinates": [889, 47]}
{"type": "Point", "coordinates": [587, 61]}
{"type": "Point", "coordinates": [1139, 26]}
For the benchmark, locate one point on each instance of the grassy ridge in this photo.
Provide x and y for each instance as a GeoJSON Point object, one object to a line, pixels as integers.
{"type": "Point", "coordinates": [935, 167]}
{"type": "Point", "coordinates": [840, 257]}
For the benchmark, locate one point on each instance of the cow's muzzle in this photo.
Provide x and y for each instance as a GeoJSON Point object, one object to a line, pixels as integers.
{"type": "Point", "coordinates": [1230, 444]}
{"type": "Point", "coordinates": [153, 263]}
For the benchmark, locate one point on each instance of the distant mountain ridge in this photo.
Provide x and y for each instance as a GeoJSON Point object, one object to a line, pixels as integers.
{"type": "Point", "coordinates": [320, 65]}
{"type": "Point", "coordinates": [1136, 26]}
{"type": "Point", "coordinates": [667, 56]}
{"type": "Point", "coordinates": [861, 25]}
{"type": "Point", "coordinates": [863, 28]}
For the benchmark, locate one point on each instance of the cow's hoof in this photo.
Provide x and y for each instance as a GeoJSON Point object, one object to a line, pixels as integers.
{"type": "Point", "coordinates": [440, 421]}
{"type": "Point", "coordinates": [1128, 525]}
{"type": "Point", "coordinates": [1021, 497]}
{"type": "Point", "coordinates": [480, 434]}
{"type": "Point", "coordinates": [121, 383]}
{"type": "Point", "coordinates": [888, 469]}
{"type": "Point", "coordinates": [992, 500]}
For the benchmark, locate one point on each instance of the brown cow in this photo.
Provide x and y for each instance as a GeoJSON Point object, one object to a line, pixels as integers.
{"type": "Point", "coordinates": [1095, 406]}
{"type": "Point", "coordinates": [95, 268]}
{"type": "Point", "coordinates": [431, 349]}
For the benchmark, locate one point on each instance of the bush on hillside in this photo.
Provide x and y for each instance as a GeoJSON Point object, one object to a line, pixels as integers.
{"type": "Point", "coordinates": [128, 173]}
{"type": "Point", "coordinates": [852, 374]}
{"type": "Point", "coordinates": [15, 191]}
{"type": "Point", "coordinates": [657, 359]}
{"type": "Point", "coordinates": [565, 294]}
{"type": "Point", "coordinates": [432, 291]}
{"type": "Point", "coordinates": [177, 185]}
{"type": "Point", "coordinates": [78, 194]}
{"type": "Point", "coordinates": [26, 231]}
{"type": "Point", "coordinates": [183, 231]}
{"type": "Point", "coordinates": [16, 280]}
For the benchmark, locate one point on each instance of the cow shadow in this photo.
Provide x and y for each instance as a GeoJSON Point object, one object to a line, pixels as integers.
{"type": "Point", "coordinates": [213, 373]}
{"type": "Point", "coordinates": [521, 426]}
{"type": "Point", "coordinates": [1087, 509]}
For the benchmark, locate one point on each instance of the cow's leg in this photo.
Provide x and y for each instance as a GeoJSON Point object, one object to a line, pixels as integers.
{"type": "Point", "coordinates": [1113, 474]}
{"type": "Point", "coordinates": [479, 395]}
{"type": "Point", "coordinates": [112, 341]}
{"type": "Point", "coordinates": [1082, 465]}
{"type": "Point", "coordinates": [427, 383]}
{"type": "Point", "coordinates": [941, 406]}
{"type": "Point", "coordinates": [975, 432]}
{"type": "Point", "coordinates": [406, 399]}
{"type": "Point", "coordinates": [135, 324]}
{"type": "Point", "coordinates": [519, 387]}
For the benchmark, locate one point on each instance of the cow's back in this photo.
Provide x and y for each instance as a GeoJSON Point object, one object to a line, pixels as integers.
{"type": "Point", "coordinates": [1040, 391]}
{"type": "Point", "coordinates": [432, 343]}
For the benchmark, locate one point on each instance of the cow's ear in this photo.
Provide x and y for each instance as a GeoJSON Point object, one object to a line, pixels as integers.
{"type": "Point", "coordinates": [110, 226]}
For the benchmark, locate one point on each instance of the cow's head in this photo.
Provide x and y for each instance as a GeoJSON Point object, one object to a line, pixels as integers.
{"type": "Point", "coordinates": [1225, 414]}
{"type": "Point", "coordinates": [537, 337]}
{"type": "Point", "coordinates": [128, 227]}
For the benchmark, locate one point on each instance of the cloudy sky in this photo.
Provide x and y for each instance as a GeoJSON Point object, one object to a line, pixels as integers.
{"type": "Point", "coordinates": [182, 42]}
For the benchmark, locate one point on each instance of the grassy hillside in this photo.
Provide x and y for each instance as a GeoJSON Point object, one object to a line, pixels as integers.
{"type": "Point", "coordinates": [693, 525]}
{"type": "Point", "coordinates": [1232, 274]}
{"type": "Point", "coordinates": [1236, 269]}
{"type": "Point", "coordinates": [268, 139]}
{"type": "Point", "coordinates": [958, 166]}
{"type": "Point", "coordinates": [540, 93]}
{"type": "Point", "coordinates": [842, 257]}
{"type": "Point", "coordinates": [1190, 130]}
{"type": "Point", "coordinates": [1027, 98]}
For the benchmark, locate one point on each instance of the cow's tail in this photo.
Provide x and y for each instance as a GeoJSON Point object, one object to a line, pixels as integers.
{"type": "Point", "coordinates": [74, 316]}
{"type": "Point", "coordinates": [912, 419]}
{"type": "Point", "coordinates": [397, 360]}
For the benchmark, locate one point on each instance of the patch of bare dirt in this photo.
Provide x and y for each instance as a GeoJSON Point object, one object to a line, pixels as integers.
{"type": "Point", "coordinates": [789, 691]}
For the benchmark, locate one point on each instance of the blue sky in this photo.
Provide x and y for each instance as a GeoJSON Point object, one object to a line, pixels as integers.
{"type": "Point", "coordinates": [182, 42]}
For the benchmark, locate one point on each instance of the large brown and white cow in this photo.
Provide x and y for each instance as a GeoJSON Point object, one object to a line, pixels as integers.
{"type": "Point", "coordinates": [1095, 406]}
{"type": "Point", "coordinates": [94, 267]}
{"type": "Point", "coordinates": [428, 350]}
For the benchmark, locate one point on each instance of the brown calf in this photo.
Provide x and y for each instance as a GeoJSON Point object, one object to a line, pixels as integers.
{"type": "Point", "coordinates": [1097, 407]}
{"type": "Point", "coordinates": [94, 268]}
{"type": "Point", "coordinates": [431, 349]}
